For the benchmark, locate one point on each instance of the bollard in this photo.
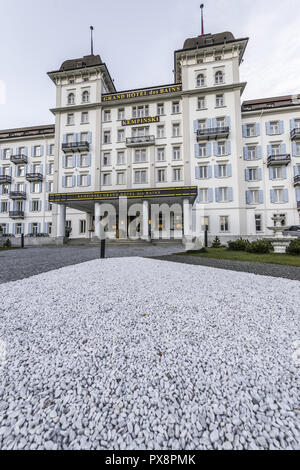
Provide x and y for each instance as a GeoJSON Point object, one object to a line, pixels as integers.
{"type": "Point", "coordinates": [206, 237]}
{"type": "Point", "coordinates": [102, 249]}
{"type": "Point", "coordinates": [22, 240]}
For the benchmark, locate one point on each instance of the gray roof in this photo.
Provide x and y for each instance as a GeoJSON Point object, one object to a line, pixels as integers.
{"type": "Point", "coordinates": [86, 61]}
{"type": "Point", "coordinates": [208, 40]}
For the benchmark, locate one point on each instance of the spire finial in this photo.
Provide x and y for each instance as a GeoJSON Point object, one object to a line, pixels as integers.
{"type": "Point", "coordinates": [92, 42]}
{"type": "Point", "coordinates": [202, 21]}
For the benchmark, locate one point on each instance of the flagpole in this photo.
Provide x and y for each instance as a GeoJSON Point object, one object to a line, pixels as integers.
{"type": "Point", "coordinates": [92, 42]}
{"type": "Point", "coordinates": [202, 22]}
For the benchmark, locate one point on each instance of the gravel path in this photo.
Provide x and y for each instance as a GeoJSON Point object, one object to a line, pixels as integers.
{"type": "Point", "coordinates": [264, 269]}
{"type": "Point", "coordinates": [137, 353]}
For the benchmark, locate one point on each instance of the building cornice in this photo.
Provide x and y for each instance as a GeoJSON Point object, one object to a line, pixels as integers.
{"type": "Point", "coordinates": [262, 111]}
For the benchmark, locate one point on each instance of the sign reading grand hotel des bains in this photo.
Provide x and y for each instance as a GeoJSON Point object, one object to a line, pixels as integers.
{"type": "Point", "coordinates": [127, 95]}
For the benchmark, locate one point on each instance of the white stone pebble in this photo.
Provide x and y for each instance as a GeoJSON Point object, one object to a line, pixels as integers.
{"type": "Point", "coordinates": [135, 353]}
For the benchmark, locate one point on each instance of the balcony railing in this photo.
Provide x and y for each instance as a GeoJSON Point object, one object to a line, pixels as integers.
{"type": "Point", "coordinates": [16, 214]}
{"type": "Point", "coordinates": [140, 141]}
{"type": "Point", "coordinates": [34, 176]}
{"type": "Point", "coordinates": [297, 180]}
{"type": "Point", "coordinates": [295, 133]}
{"type": "Point", "coordinates": [5, 179]}
{"type": "Point", "coordinates": [284, 159]}
{"type": "Point", "coordinates": [212, 133]}
{"type": "Point", "coordinates": [75, 146]}
{"type": "Point", "coordinates": [17, 195]}
{"type": "Point", "coordinates": [17, 159]}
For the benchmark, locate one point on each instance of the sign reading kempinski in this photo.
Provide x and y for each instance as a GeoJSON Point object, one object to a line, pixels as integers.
{"type": "Point", "coordinates": [140, 93]}
{"type": "Point", "coordinates": [137, 121]}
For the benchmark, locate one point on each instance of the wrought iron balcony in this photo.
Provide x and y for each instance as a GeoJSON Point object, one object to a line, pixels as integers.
{"type": "Point", "coordinates": [34, 177]}
{"type": "Point", "coordinates": [212, 133]}
{"type": "Point", "coordinates": [16, 214]}
{"type": "Point", "coordinates": [17, 159]}
{"type": "Point", "coordinates": [274, 160]}
{"type": "Point", "coordinates": [295, 133]}
{"type": "Point", "coordinates": [82, 146]}
{"type": "Point", "coordinates": [5, 179]}
{"type": "Point", "coordinates": [297, 180]}
{"type": "Point", "coordinates": [140, 141]}
{"type": "Point", "coordinates": [17, 195]}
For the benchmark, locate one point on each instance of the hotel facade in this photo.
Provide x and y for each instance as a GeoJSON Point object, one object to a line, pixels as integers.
{"type": "Point", "coordinates": [230, 165]}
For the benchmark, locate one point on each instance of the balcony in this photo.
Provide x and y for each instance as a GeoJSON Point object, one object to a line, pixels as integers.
{"type": "Point", "coordinates": [297, 181]}
{"type": "Point", "coordinates": [17, 195]}
{"type": "Point", "coordinates": [76, 147]}
{"type": "Point", "coordinates": [140, 141]}
{"type": "Point", "coordinates": [16, 214]}
{"type": "Point", "coordinates": [5, 179]}
{"type": "Point", "coordinates": [17, 159]}
{"type": "Point", "coordinates": [33, 177]}
{"type": "Point", "coordinates": [212, 133]}
{"type": "Point", "coordinates": [295, 133]}
{"type": "Point", "coordinates": [274, 160]}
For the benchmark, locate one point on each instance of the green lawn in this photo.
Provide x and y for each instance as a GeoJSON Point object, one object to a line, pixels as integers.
{"type": "Point", "coordinates": [223, 253]}
{"type": "Point", "coordinates": [2, 248]}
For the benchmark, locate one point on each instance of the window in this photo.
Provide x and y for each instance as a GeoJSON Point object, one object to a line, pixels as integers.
{"type": "Point", "coordinates": [50, 186]}
{"type": "Point", "coordinates": [221, 146]}
{"type": "Point", "coordinates": [201, 102]}
{"type": "Point", "coordinates": [224, 223]}
{"type": "Point", "coordinates": [176, 174]}
{"type": "Point", "coordinates": [176, 153]}
{"type": "Point", "coordinates": [297, 149]}
{"type": "Point", "coordinates": [219, 101]}
{"type": "Point", "coordinates": [223, 195]}
{"type": "Point", "coordinates": [18, 229]}
{"type": "Point", "coordinates": [4, 206]}
{"type": "Point", "coordinates": [70, 138]}
{"type": "Point", "coordinates": [250, 130]}
{"type": "Point", "coordinates": [253, 196]}
{"type": "Point", "coordinates": [253, 174]}
{"type": "Point", "coordinates": [5, 189]}
{"type": "Point", "coordinates": [200, 79]}
{"type": "Point", "coordinates": [219, 78]}
{"type": "Point", "coordinates": [220, 123]}
{"type": "Point", "coordinates": [106, 179]}
{"type": "Point", "coordinates": [69, 161]}
{"type": "Point", "coordinates": [84, 160]}
{"type": "Point", "coordinates": [83, 137]}
{"type": "Point", "coordinates": [84, 118]}
{"type": "Point", "coordinates": [37, 151]}
{"type": "Point", "coordinates": [107, 115]}
{"type": "Point", "coordinates": [106, 159]}
{"type": "Point", "coordinates": [35, 228]}
{"type": "Point", "coordinates": [175, 107]}
{"type": "Point", "coordinates": [35, 206]}
{"type": "Point", "coordinates": [83, 180]}
{"type": "Point", "coordinates": [161, 176]}
{"type": "Point", "coordinates": [252, 153]}
{"type": "Point", "coordinates": [275, 149]}
{"type": "Point", "coordinates": [85, 97]}
{"type": "Point", "coordinates": [69, 181]}
{"type": "Point", "coordinates": [277, 173]}
{"type": "Point", "coordinates": [6, 154]}
{"type": "Point", "coordinates": [258, 222]}
{"type": "Point", "coordinates": [140, 111]}
{"type": "Point", "coordinates": [203, 195]}
{"type": "Point", "coordinates": [106, 137]}
{"type": "Point", "coordinates": [160, 109]}
{"type": "Point", "coordinates": [20, 169]}
{"type": "Point", "coordinates": [120, 135]}
{"type": "Point", "coordinates": [204, 223]}
{"type": "Point", "coordinates": [120, 158]}
{"type": "Point", "coordinates": [161, 154]}
{"type": "Point", "coordinates": [140, 155]}
{"type": "Point", "coordinates": [51, 149]}
{"type": "Point", "coordinates": [70, 119]}
{"type": "Point", "coordinates": [71, 98]}
{"type": "Point", "coordinates": [278, 195]}
{"type": "Point", "coordinates": [82, 226]}
{"type": "Point", "coordinates": [121, 178]}
{"type": "Point", "coordinates": [160, 132]}
{"type": "Point", "coordinates": [36, 188]}
{"type": "Point", "coordinates": [202, 150]}
{"type": "Point", "coordinates": [140, 176]}
{"type": "Point", "coordinates": [3, 228]}
{"type": "Point", "coordinates": [274, 127]}
{"type": "Point", "coordinates": [121, 113]}
{"type": "Point", "coordinates": [222, 171]}
{"type": "Point", "coordinates": [202, 172]}
{"type": "Point", "coordinates": [175, 130]}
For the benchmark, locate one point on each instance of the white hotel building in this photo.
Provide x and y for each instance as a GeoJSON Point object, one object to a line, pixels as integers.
{"type": "Point", "coordinates": [192, 142]}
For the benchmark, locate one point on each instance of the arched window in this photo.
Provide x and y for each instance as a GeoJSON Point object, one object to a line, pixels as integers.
{"type": "Point", "coordinates": [85, 97]}
{"type": "Point", "coordinates": [219, 77]}
{"type": "Point", "coordinates": [71, 98]}
{"type": "Point", "coordinates": [200, 79]}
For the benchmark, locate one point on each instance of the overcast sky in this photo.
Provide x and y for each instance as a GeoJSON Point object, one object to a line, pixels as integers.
{"type": "Point", "coordinates": [136, 39]}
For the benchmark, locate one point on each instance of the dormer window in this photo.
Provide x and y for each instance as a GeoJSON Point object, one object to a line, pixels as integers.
{"type": "Point", "coordinates": [219, 77]}
{"type": "Point", "coordinates": [200, 79]}
{"type": "Point", "coordinates": [71, 98]}
{"type": "Point", "coordinates": [85, 97]}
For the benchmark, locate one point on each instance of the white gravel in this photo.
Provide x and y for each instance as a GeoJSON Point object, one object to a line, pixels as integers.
{"type": "Point", "coordinates": [136, 353]}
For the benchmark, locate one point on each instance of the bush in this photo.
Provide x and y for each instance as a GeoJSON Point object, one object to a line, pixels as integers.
{"type": "Point", "coordinates": [238, 245]}
{"type": "Point", "coordinates": [7, 244]}
{"type": "Point", "coordinates": [259, 246]}
{"type": "Point", "coordinates": [294, 247]}
{"type": "Point", "coordinates": [201, 250]}
{"type": "Point", "coordinates": [216, 243]}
